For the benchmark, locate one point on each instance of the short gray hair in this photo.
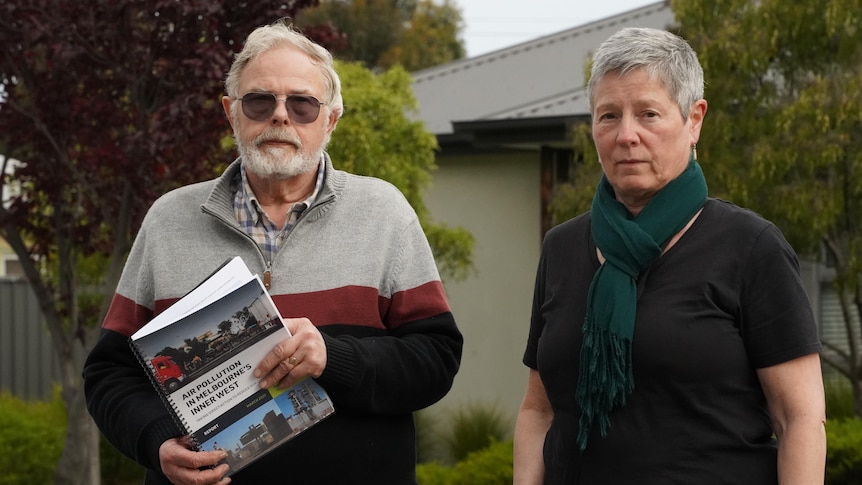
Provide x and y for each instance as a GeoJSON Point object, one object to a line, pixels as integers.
{"type": "Point", "coordinates": [665, 56]}
{"type": "Point", "coordinates": [279, 34]}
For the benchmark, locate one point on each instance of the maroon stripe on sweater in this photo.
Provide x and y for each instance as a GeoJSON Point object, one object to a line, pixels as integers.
{"type": "Point", "coordinates": [424, 301]}
{"type": "Point", "coordinates": [125, 316]}
{"type": "Point", "coordinates": [362, 306]}
{"type": "Point", "coordinates": [355, 305]}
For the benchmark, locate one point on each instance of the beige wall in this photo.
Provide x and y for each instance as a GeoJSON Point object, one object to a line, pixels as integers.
{"type": "Point", "coordinates": [496, 198]}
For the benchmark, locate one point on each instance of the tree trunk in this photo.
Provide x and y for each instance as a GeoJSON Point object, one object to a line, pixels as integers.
{"type": "Point", "coordinates": [79, 462]}
{"type": "Point", "coordinates": [856, 384]}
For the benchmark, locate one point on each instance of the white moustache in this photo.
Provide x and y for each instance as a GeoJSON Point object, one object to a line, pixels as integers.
{"type": "Point", "coordinates": [277, 136]}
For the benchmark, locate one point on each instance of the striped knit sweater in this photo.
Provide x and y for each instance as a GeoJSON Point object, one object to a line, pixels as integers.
{"type": "Point", "coordinates": [357, 264]}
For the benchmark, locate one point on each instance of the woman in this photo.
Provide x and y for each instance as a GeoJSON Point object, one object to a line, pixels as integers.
{"type": "Point", "coordinates": [671, 339]}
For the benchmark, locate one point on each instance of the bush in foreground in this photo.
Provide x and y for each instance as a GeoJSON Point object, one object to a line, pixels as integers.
{"type": "Point", "coordinates": [490, 466]}
{"type": "Point", "coordinates": [33, 434]}
{"type": "Point", "coordinates": [844, 451]}
{"type": "Point", "coordinates": [32, 439]}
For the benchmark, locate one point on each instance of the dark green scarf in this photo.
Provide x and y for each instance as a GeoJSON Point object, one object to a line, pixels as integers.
{"type": "Point", "coordinates": [630, 245]}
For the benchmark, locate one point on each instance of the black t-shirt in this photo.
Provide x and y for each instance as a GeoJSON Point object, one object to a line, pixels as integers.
{"type": "Point", "coordinates": [725, 300]}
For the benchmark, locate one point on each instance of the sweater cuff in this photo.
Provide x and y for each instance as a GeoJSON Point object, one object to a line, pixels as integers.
{"type": "Point", "coordinates": [151, 440]}
{"type": "Point", "coordinates": [340, 371]}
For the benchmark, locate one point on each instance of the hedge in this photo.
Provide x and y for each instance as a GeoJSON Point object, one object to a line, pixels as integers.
{"type": "Point", "coordinates": [34, 432]}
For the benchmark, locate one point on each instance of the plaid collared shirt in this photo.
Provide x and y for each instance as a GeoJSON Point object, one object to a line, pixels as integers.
{"type": "Point", "coordinates": [257, 224]}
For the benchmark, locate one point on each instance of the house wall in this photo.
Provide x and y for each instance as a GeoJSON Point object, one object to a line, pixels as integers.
{"type": "Point", "coordinates": [496, 198]}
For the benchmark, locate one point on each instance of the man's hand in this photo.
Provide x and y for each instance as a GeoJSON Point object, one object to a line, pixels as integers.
{"type": "Point", "coordinates": [294, 358]}
{"type": "Point", "coordinates": [183, 466]}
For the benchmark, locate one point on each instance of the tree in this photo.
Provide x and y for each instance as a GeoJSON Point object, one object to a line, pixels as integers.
{"type": "Point", "coordinates": [784, 83]}
{"type": "Point", "coordinates": [106, 105]}
{"type": "Point", "coordinates": [431, 38]}
{"type": "Point", "coordinates": [377, 137]}
{"type": "Point", "coordinates": [415, 34]}
{"type": "Point", "coordinates": [784, 86]}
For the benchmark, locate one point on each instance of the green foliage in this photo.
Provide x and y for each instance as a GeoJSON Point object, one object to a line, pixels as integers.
{"type": "Point", "coordinates": [453, 250]}
{"type": "Point", "coordinates": [433, 473]}
{"type": "Point", "coordinates": [376, 137]}
{"type": "Point", "coordinates": [779, 135]}
{"type": "Point", "coordinates": [784, 86]}
{"type": "Point", "coordinates": [575, 197]}
{"type": "Point", "coordinates": [431, 39]}
{"type": "Point", "coordinates": [839, 398]}
{"type": "Point", "coordinates": [117, 469]}
{"type": "Point", "coordinates": [489, 466]}
{"type": "Point", "coordinates": [474, 427]}
{"type": "Point", "coordinates": [32, 439]}
{"type": "Point", "coordinates": [380, 34]}
{"type": "Point", "coordinates": [427, 440]}
{"type": "Point", "coordinates": [844, 454]}
{"type": "Point", "coordinates": [33, 432]}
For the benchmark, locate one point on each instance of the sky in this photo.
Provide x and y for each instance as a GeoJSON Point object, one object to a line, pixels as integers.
{"type": "Point", "coordinates": [496, 24]}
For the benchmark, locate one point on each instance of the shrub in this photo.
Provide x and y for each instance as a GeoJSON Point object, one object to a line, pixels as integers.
{"type": "Point", "coordinates": [474, 427]}
{"type": "Point", "coordinates": [839, 398]}
{"type": "Point", "coordinates": [116, 468]}
{"type": "Point", "coordinates": [32, 439]}
{"type": "Point", "coordinates": [433, 474]}
{"type": "Point", "coordinates": [427, 439]}
{"type": "Point", "coordinates": [490, 466]}
{"type": "Point", "coordinates": [844, 451]}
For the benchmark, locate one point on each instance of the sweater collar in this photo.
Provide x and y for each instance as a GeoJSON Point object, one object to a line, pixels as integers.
{"type": "Point", "coordinates": [219, 202]}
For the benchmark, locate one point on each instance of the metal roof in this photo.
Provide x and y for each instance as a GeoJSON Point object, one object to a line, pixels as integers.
{"type": "Point", "coordinates": [541, 78]}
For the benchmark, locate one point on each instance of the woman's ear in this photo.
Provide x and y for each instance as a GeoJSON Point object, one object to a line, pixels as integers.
{"type": "Point", "coordinates": [695, 117]}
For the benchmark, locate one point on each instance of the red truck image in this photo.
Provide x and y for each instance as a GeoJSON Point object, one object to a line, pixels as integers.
{"type": "Point", "coordinates": [168, 373]}
{"type": "Point", "coordinates": [176, 367]}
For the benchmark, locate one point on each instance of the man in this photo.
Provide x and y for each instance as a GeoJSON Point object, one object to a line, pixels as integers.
{"type": "Point", "coordinates": [344, 258]}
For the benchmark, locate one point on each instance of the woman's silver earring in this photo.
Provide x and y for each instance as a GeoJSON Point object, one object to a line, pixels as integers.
{"type": "Point", "coordinates": [694, 152]}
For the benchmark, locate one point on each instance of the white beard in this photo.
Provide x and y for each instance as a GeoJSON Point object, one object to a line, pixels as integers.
{"type": "Point", "coordinates": [277, 163]}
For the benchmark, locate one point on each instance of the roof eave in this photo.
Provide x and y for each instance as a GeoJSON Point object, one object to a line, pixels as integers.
{"type": "Point", "coordinates": [510, 134]}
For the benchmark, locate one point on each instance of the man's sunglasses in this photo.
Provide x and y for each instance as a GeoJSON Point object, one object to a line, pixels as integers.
{"type": "Point", "coordinates": [300, 108]}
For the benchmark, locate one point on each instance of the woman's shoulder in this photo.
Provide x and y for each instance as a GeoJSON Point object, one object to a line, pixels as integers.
{"type": "Point", "coordinates": [724, 215]}
{"type": "Point", "coordinates": [745, 227]}
{"type": "Point", "coordinates": [570, 231]}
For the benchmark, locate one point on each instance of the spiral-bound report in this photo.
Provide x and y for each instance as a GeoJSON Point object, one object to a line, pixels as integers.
{"type": "Point", "coordinates": [200, 354]}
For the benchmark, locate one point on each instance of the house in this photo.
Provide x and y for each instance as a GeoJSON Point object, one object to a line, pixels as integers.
{"type": "Point", "coordinates": [503, 122]}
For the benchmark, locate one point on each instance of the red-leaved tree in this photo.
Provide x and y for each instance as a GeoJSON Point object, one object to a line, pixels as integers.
{"type": "Point", "coordinates": [106, 104]}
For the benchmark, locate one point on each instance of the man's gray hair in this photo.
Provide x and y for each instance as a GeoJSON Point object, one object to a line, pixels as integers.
{"type": "Point", "coordinates": [279, 34]}
{"type": "Point", "coordinates": [665, 56]}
